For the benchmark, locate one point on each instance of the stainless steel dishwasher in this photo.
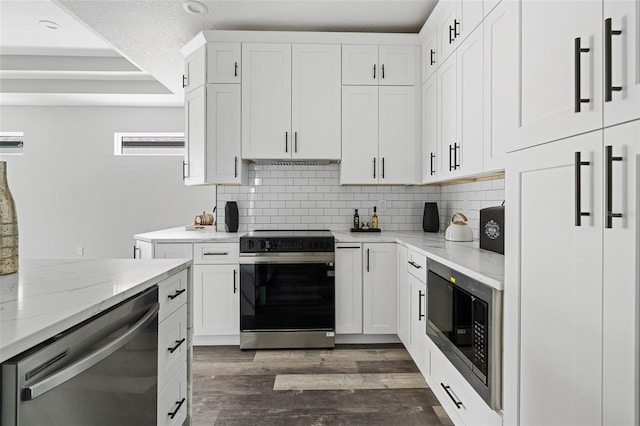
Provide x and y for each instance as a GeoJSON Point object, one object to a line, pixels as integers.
{"type": "Point", "coordinates": [100, 372]}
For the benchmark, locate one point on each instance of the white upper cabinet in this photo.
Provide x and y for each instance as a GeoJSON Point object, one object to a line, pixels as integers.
{"type": "Point", "coordinates": [316, 91]}
{"type": "Point", "coordinates": [430, 58]}
{"type": "Point", "coordinates": [378, 135]}
{"type": "Point", "coordinates": [195, 106]}
{"type": "Point", "coordinates": [195, 70]}
{"type": "Point", "coordinates": [501, 34]}
{"type": "Point", "coordinates": [621, 61]}
{"type": "Point", "coordinates": [560, 70]}
{"type": "Point", "coordinates": [390, 65]}
{"type": "Point", "coordinates": [446, 14]}
{"type": "Point", "coordinates": [266, 101]}
{"type": "Point", "coordinates": [447, 126]}
{"type": "Point", "coordinates": [359, 135]}
{"type": "Point", "coordinates": [290, 101]}
{"type": "Point", "coordinates": [223, 63]}
{"type": "Point", "coordinates": [430, 151]}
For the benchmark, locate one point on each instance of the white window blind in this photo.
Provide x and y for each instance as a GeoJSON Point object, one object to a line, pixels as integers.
{"type": "Point", "coordinates": [149, 144]}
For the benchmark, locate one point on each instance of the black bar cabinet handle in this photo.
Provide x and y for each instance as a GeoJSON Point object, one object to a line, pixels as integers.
{"type": "Point", "coordinates": [382, 70]}
{"type": "Point", "coordinates": [451, 34]}
{"type": "Point", "coordinates": [134, 251]}
{"type": "Point", "coordinates": [374, 71]}
{"type": "Point", "coordinates": [286, 141]}
{"type": "Point", "coordinates": [420, 296]}
{"type": "Point", "coordinates": [177, 345]}
{"type": "Point", "coordinates": [295, 138]}
{"type": "Point", "coordinates": [374, 167]}
{"type": "Point", "coordinates": [431, 164]}
{"type": "Point", "coordinates": [184, 166]}
{"type": "Point", "coordinates": [432, 57]}
{"type": "Point", "coordinates": [184, 81]}
{"type": "Point", "coordinates": [577, 78]}
{"type": "Point", "coordinates": [235, 70]}
{"type": "Point", "coordinates": [609, 88]}
{"type": "Point", "coordinates": [347, 247]}
{"type": "Point", "coordinates": [608, 164]}
{"type": "Point", "coordinates": [450, 157]}
{"type": "Point", "coordinates": [368, 260]}
{"type": "Point", "coordinates": [174, 412]}
{"type": "Point", "coordinates": [456, 28]}
{"type": "Point", "coordinates": [235, 166]}
{"type": "Point", "coordinates": [578, 164]}
{"type": "Point", "coordinates": [235, 285]}
{"type": "Point", "coordinates": [382, 167]}
{"type": "Point", "coordinates": [446, 389]}
{"type": "Point", "coordinates": [176, 294]}
{"type": "Point", "coordinates": [456, 162]}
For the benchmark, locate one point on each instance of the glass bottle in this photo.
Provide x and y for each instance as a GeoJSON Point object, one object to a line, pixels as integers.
{"type": "Point", "coordinates": [374, 219]}
{"type": "Point", "coordinates": [356, 220]}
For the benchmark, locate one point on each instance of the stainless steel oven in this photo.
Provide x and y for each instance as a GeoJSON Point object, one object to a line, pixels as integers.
{"type": "Point", "coordinates": [465, 322]}
{"type": "Point", "coordinates": [101, 372]}
{"type": "Point", "coordinates": [287, 290]}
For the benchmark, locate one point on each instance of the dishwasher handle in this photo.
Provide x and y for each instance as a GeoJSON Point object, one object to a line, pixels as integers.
{"type": "Point", "coordinates": [45, 385]}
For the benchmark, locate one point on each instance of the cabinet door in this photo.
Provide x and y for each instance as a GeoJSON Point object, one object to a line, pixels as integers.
{"type": "Point", "coordinates": [501, 34]}
{"type": "Point", "coordinates": [447, 17]}
{"type": "Point", "coordinates": [549, 59]}
{"type": "Point", "coordinates": [622, 281]}
{"type": "Point", "coordinates": [470, 15]}
{"type": "Point", "coordinates": [348, 288]}
{"type": "Point", "coordinates": [195, 136]}
{"type": "Point", "coordinates": [223, 63]}
{"type": "Point", "coordinates": [429, 48]}
{"type": "Point", "coordinates": [143, 250]}
{"type": "Point", "coordinates": [379, 289]}
{"type": "Point", "coordinates": [553, 307]}
{"type": "Point", "coordinates": [315, 103]}
{"type": "Point", "coordinates": [359, 135]}
{"type": "Point", "coordinates": [624, 57]}
{"type": "Point", "coordinates": [360, 64]}
{"type": "Point", "coordinates": [397, 65]}
{"type": "Point", "coordinates": [173, 251]}
{"type": "Point", "coordinates": [194, 70]}
{"type": "Point", "coordinates": [469, 61]}
{"type": "Point", "coordinates": [447, 116]}
{"type": "Point", "coordinates": [418, 311]}
{"type": "Point", "coordinates": [216, 300]}
{"type": "Point", "coordinates": [224, 164]}
{"type": "Point", "coordinates": [404, 299]}
{"type": "Point", "coordinates": [430, 152]}
{"type": "Point", "coordinates": [266, 101]}
{"type": "Point", "coordinates": [397, 132]}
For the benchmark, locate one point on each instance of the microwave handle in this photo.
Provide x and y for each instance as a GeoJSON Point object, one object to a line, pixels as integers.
{"type": "Point", "coordinates": [88, 361]}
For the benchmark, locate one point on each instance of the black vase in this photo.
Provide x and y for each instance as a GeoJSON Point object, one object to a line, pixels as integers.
{"type": "Point", "coordinates": [430, 218]}
{"type": "Point", "coordinates": [231, 216]}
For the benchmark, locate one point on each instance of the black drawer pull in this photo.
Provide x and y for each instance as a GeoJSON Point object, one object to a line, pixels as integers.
{"type": "Point", "coordinates": [176, 294]}
{"type": "Point", "coordinates": [175, 412]}
{"type": "Point", "coordinates": [215, 253]}
{"type": "Point", "coordinates": [415, 265]}
{"type": "Point", "coordinates": [446, 389]}
{"type": "Point", "coordinates": [175, 348]}
{"type": "Point", "coordinates": [348, 247]}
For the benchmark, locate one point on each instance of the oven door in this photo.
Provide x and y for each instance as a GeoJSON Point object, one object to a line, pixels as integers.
{"type": "Point", "coordinates": [287, 292]}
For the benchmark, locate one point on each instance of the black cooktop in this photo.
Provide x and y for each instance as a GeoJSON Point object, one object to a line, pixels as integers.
{"type": "Point", "coordinates": [287, 241]}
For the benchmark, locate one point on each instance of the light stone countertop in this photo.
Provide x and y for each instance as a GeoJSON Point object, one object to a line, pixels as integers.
{"type": "Point", "coordinates": [467, 258]}
{"type": "Point", "coordinates": [46, 297]}
{"type": "Point", "coordinates": [180, 235]}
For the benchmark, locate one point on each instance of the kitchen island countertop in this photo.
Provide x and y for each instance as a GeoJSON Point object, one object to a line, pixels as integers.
{"type": "Point", "coordinates": [47, 297]}
{"type": "Point", "coordinates": [180, 235]}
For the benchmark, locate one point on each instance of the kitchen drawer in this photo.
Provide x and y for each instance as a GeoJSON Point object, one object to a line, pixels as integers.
{"type": "Point", "coordinates": [173, 251]}
{"type": "Point", "coordinates": [172, 400]}
{"type": "Point", "coordinates": [172, 294]}
{"type": "Point", "coordinates": [215, 253]}
{"type": "Point", "coordinates": [471, 408]}
{"type": "Point", "coordinates": [417, 265]}
{"type": "Point", "coordinates": [172, 345]}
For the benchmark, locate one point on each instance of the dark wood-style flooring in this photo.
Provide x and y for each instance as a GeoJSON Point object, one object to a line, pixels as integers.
{"type": "Point", "coordinates": [349, 385]}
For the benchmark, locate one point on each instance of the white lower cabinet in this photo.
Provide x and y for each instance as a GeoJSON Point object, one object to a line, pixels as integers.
{"type": "Point", "coordinates": [418, 311]}
{"type": "Point", "coordinates": [404, 292]}
{"type": "Point", "coordinates": [172, 401]}
{"type": "Point", "coordinates": [172, 344]}
{"type": "Point", "coordinates": [379, 288]}
{"type": "Point", "coordinates": [348, 269]}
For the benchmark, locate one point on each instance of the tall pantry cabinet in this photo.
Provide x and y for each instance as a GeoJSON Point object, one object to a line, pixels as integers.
{"type": "Point", "coordinates": [572, 295]}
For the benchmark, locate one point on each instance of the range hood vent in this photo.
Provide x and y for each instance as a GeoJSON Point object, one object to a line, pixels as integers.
{"type": "Point", "coordinates": [294, 162]}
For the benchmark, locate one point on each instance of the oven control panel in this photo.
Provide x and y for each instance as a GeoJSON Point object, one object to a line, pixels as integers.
{"type": "Point", "coordinates": [285, 245]}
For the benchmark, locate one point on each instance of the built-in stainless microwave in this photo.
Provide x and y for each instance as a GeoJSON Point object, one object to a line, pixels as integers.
{"type": "Point", "coordinates": [465, 322]}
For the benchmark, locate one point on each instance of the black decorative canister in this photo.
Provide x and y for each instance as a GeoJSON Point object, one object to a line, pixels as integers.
{"type": "Point", "coordinates": [231, 219]}
{"type": "Point", "coordinates": [430, 218]}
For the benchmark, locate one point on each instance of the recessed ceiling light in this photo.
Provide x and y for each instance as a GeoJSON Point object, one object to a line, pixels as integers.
{"type": "Point", "coordinates": [49, 24]}
{"type": "Point", "coordinates": [195, 7]}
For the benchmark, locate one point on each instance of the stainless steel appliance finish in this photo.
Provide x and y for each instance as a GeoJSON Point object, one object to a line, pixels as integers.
{"type": "Point", "coordinates": [101, 372]}
{"type": "Point", "coordinates": [287, 290]}
{"type": "Point", "coordinates": [465, 322]}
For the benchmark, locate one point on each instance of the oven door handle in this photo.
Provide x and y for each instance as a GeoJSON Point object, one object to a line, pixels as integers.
{"type": "Point", "coordinates": [45, 385]}
{"type": "Point", "coordinates": [283, 258]}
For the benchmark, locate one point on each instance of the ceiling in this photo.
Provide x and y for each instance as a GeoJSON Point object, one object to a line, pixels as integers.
{"type": "Point", "coordinates": [126, 52]}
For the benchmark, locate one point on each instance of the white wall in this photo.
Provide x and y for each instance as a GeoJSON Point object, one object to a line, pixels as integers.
{"type": "Point", "coordinates": [70, 190]}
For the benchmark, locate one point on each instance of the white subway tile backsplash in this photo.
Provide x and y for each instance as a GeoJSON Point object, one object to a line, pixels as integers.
{"type": "Point", "coordinates": [310, 197]}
